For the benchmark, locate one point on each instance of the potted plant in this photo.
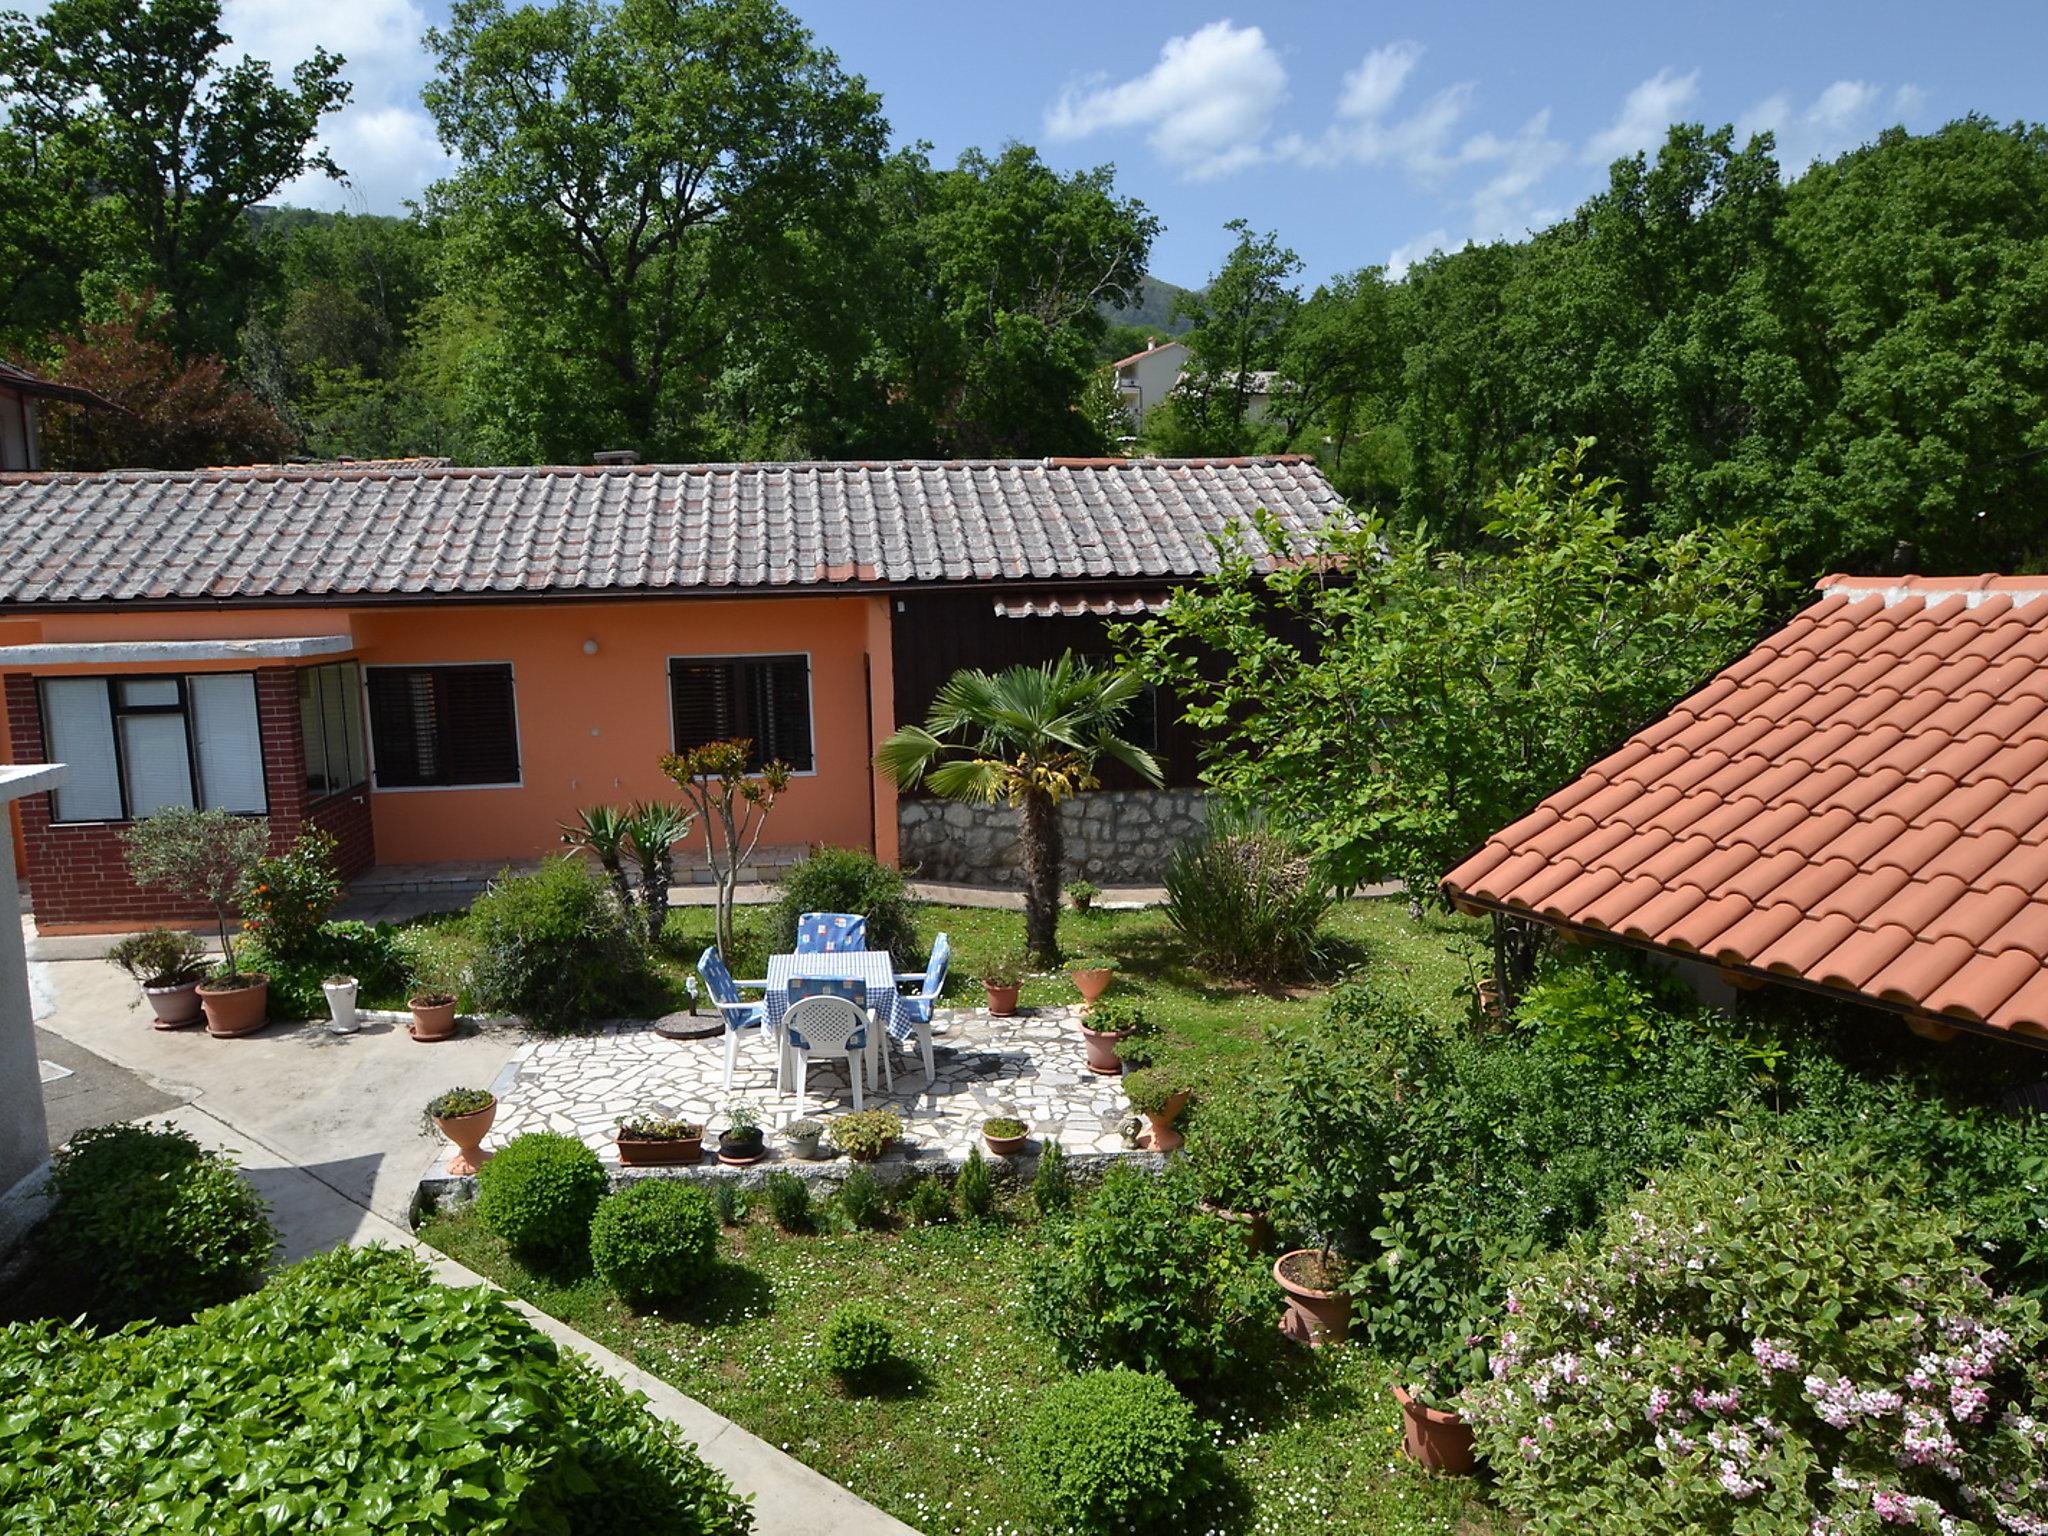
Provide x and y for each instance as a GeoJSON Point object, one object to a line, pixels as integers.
{"type": "Point", "coordinates": [741, 1142]}
{"type": "Point", "coordinates": [1103, 1027]}
{"type": "Point", "coordinates": [1005, 1135]}
{"type": "Point", "coordinates": [168, 966]}
{"type": "Point", "coordinates": [1092, 975]}
{"type": "Point", "coordinates": [433, 1009]}
{"type": "Point", "coordinates": [1233, 1153]}
{"type": "Point", "coordinates": [201, 857]}
{"type": "Point", "coordinates": [864, 1136]}
{"type": "Point", "coordinates": [464, 1116]}
{"type": "Point", "coordinates": [1082, 893]}
{"type": "Point", "coordinates": [1318, 1306]}
{"type": "Point", "coordinates": [1433, 1433]}
{"type": "Point", "coordinates": [803, 1137]}
{"type": "Point", "coordinates": [1157, 1095]}
{"type": "Point", "coordinates": [1001, 979]}
{"type": "Point", "coordinates": [651, 1141]}
{"type": "Point", "coordinates": [341, 1004]}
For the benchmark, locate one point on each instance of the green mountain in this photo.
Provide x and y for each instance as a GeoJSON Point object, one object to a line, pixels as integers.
{"type": "Point", "coordinates": [1153, 310]}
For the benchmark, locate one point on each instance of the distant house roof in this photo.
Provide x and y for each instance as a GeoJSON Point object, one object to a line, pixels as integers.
{"type": "Point", "coordinates": [18, 379]}
{"type": "Point", "coordinates": [1144, 352]}
{"type": "Point", "coordinates": [1859, 804]}
{"type": "Point", "coordinates": [308, 534]}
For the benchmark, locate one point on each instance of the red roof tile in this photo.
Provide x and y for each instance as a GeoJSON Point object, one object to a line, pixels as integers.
{"type": "Point", "coordinates": [1861, 803]}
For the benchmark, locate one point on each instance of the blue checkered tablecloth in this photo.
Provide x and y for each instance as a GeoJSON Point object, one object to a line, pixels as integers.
{"type": "Point", "coordinates": [875, 967]}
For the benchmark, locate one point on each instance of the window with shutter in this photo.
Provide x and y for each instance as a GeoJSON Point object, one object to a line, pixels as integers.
{"type": "Point", "coordinates": [766, 699]}
{"type": "Point", "coordinates": [441, 727]}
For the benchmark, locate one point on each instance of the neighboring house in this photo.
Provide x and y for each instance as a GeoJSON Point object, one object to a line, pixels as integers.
{"type": "Point", "coordinates": [1145, 379]}
{"type": "Point", "coordinates": [444, 664]}
{"type": "Point", "coordinates": [21, 393]}
{"type": "Point", "coordinates": [1858, 807]}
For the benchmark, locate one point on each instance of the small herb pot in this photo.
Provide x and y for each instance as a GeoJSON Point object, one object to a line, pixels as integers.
{"type": "Point", "coordinates": [1101, 1047]}
{"type": "Point", "coordinates": [1433, 1437]}
{"type": "Point", "coordinates": [174, 1007]}
{"type": "Point", "coordinates": [468, 1133]}
{"type": "Point", "coordinates": [1160, 1135]}
{"type": "Point", "coordinates": [804, 1143]}
{"type": "Point", "coordinates": [739, 1148]}
{"type": "Point", "coordinates": [237, 1007]}
{"type": "Point", "coordinates": [1002, 1001]}
{"type": "Point", "coordinates": [1093, 982]}
{"type": "Point", "coordinates": [1005, 1146]}
{"type": "Point", "coordinates": [433, 1016]}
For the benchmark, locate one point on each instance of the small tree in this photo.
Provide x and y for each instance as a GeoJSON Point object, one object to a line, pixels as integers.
{"type": "Point", "coordinates": [199, 856]}
{"type": "Point", "coordinates": [733, 802]}
{"type": "Point", "coordinates": [1030, 736]}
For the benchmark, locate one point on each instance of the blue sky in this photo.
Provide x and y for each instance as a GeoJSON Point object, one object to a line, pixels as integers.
{"type": "Point", "coordinates": [1363, 134]}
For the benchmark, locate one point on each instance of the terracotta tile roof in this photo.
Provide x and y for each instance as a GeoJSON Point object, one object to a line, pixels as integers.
{"type": "Point", "coordinates": [1860, 803]}
{"type": "Point", "coordinates": [333, 532]}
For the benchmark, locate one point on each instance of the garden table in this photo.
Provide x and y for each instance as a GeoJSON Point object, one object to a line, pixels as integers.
{"type": "Point", "coordinates": [875, 967]}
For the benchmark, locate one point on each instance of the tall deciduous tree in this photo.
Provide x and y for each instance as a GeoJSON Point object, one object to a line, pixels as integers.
{"type": "Point", "coordinates": [138, 134]}
{"type": "Point", "coordinates": [1411, 700]}
{"type": "Point", "coordinates": [1238, 331]}
{"type": "Point", "coordinates": [1029, 737]}
{"type": "Point", "coordinates": [629, 172]}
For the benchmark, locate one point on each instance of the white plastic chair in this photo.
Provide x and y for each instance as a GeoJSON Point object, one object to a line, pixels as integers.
{"type": "Point", "coordinates": [829, 1026]}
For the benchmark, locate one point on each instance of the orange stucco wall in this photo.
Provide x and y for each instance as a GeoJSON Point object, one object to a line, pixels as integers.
{"type": "Point", "coordinates": [591, 727]}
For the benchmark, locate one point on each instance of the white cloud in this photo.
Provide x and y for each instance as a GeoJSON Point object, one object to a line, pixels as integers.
{"type": "Point", "coordinates": [1402, 257]}
{"type": "Point", "coordinates": [1845, 114]}
{"type": "Point", "coordinates": [1505, 206]}
{"type": "Point", "coordinates": [1205, 106]}
{"type": "Point", "coordinates": [1370, 90]}
{"type": "Point", "coordinates": [382, 139]}
{"type": "Point", "coordinates": [1646, 112]}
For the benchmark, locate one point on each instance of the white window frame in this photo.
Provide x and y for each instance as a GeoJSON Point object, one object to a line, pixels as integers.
{"type": "Point", "coordinates": [183, 710]}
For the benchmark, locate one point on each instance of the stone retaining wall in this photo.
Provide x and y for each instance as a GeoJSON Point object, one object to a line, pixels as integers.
{"type": "Point", "coordinates": [1114, 836]}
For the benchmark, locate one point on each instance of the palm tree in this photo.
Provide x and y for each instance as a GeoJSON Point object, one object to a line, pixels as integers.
{"type": "Point", "coordinates": [1029, 736]}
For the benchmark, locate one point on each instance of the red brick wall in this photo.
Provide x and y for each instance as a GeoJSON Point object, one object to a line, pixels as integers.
{"type": "Point", "coordinates": [77, 873]}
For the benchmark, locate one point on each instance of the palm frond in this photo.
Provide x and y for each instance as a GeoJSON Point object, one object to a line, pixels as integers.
{"type": "Point", "coordinates": [906, 756]}
{"type": "Point", "coordinates": [975, 780]}
{"type": "Point", "coordinates": [1135, 758]}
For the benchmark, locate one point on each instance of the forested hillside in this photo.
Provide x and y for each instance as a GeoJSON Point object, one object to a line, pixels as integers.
{"type": "Point", "coordinates": [739, 267]}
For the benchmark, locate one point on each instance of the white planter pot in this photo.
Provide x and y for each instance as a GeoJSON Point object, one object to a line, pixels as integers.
{"type": "Point", "coordinates": [341, 1003]}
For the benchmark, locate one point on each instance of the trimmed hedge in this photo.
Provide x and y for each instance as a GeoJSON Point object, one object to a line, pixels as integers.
{"type": "Point", "coordinates": [151, 1224]}
{"type": "Point", "coordinates": [1115, 1451]}
{"type": "Point", "coordinates": [540, 1192]}
{"type": "Point", "coordinates": [349, 1394]}
{"type": "Point", "coordinates": [654, 1240]}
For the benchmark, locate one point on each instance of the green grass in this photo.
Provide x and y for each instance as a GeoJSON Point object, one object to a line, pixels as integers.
{"type": "Point", "coordinates": [1309, 1442]}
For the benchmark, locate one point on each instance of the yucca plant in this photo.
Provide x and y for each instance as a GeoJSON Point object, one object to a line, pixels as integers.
{"type": "Point", "coordinates": [653, 828]}
{"type": "Point", "coordinates": [1029, 737]}
{"type": "Point", "coordinates": [602, 830]}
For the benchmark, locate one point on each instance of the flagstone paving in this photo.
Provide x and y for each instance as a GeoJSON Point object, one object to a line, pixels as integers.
{"type": "Point", "coordinates": [1030, 1065]}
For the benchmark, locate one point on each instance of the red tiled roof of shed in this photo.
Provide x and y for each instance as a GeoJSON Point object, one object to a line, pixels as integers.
{"type": "Point", "coordinates": [1860, 803]}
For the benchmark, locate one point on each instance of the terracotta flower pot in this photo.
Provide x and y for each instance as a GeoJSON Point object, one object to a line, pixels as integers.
{"type": "Point", "coordinates": [658, 1151]}
{"type": "Point", "coordinates": [1002, 1001]}
{"type": "Point", "coordinates": [1006, 1146]}
{"type": "Point", "coordinates": [240, 1008]}
{"type": "Point", "coordinates": [1101, 1045]}
{"type": "Point", "coordinates": [1092, 982]}
{"type": "Point", "coordinates": [468, 1133]}
{"type": "Point", "coordinates": [1313, 1317]}
{"type": "Point", "coordinates": [1432, 1437]}
{"type": "Point", "coordinates": [433, 1016]}
{"type": "Point", "coordinates": [1489, 997]}
{"type": "Point", "coordinates": [174, 1007]}
{"type": "Point", "coordinates": [1160, 1136]}
{"type": "Point", "coordinates": [1255, 1227]}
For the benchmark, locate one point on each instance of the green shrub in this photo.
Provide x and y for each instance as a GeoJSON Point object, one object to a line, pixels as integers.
{"type": "Point", "coordinates": [161, 957]}
{"type": "Point", "coordinates": [1052, 1187]}
{"type": "Point", "coordinates": [866, 1134]}
{"type": "Point", "coordinates": [858, 1343]}
{"type": "Point", "coordinates": [654, 1240]}
{"type": "Point", "coordinates": [285, 897]}
{"type": "Point", "coordinates": [730, 1201]}
{"type": "Point", "coordinates": [349, 1393]}
{"type": "Point", "coordinates": [1081, 894]}
{"type": "Point", "coordinates": [539, 1193]}
{"type": "Point", "coordinates": [928, 1203]}
{"type": "Point", "coordinates": [555, 947]}
{"type": "Point", "coordinates": [976, 1187]}
{"type": "Point", "coordinates": [861, 1200]}
{"type": "Point", "coordinates": [1115, 1451]}
{"type": "Point", "coordinates": [1233, 1146]}
{"type": "Point", "coordinates": [1248, 904]}
{"type": "Point", "coordinates": [150, 1224]}
{"type": "Point", "coordinates": [1768, 1339]}
{"type": "Point", "coordinates": [1151, 1089]}
{"type": "Point", "coordinates": [849, 880]}
{"type": "Point", "coordinates": [1143, 1277]}
{"type": "Point", "coordinates": [374, 956]}
{"type": "Point", "coordinates": [789, 1201]}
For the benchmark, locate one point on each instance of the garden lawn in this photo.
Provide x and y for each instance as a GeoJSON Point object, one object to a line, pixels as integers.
{"type": "Point", "coordinates": [1311, 1446]}
{"type": "Point", "coordinates": [1429, 963]}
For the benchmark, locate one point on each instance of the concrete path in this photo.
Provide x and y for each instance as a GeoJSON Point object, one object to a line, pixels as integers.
{"type": "Point", "coordinates": [327, 1129]}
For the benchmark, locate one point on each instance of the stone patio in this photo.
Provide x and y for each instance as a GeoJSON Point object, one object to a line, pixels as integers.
{"type": "Point", "coordinates": [1029, 1065]}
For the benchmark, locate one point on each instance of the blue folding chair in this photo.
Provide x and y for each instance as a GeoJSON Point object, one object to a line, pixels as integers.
{"type": "Point", "coordinates": [830, 933]}
{"type": "Point", "coordinates": [917, 1006]}
{"type": "Point", "coordinates": [829, 1016]}
{"type": "Point", "coordinates": [740, 1015]}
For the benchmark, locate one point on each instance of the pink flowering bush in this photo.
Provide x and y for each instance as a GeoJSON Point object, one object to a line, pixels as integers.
{"type": "Point", "coordinates": [1768, 1341]}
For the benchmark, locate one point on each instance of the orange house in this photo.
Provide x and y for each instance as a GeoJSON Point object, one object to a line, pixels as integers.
{"type": "Point", "coordinates": [443, 664]}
